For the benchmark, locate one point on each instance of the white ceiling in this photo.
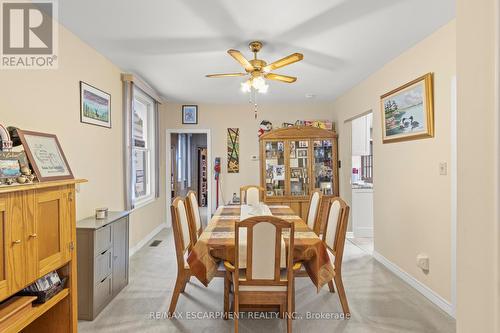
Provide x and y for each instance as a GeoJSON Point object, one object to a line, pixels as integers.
{"type": "Point", "coordinates": [172, 44]}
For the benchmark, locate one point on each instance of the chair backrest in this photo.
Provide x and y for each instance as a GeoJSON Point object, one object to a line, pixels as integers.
{"type": "Point", "coordinates": [251, 194]}
{"type": "Point", "coordinates": [264, 241]}
{"type": "Point", "coordinates": [180, 227]}
{"type": "Point", "coordinates": [336, 229]}
{"type": "Point", "coordinates": [312, 214]}
{"type": "Point", "coordinates": [193, 211]}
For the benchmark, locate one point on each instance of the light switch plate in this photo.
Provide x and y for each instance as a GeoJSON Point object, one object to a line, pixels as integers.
{"type": "Point", "coordinates": [443, 168]}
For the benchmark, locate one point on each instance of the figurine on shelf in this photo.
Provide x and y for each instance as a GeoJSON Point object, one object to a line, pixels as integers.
{"type": "Point", "coordinates": [264, 127]}
{"type": "Point", "coordinates": [5, 141]}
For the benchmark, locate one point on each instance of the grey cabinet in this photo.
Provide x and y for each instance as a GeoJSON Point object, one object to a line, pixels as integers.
{"type": "Point", "coordinates": [102, 248]}
{"type": "Point", "coordinates": [120, 255]}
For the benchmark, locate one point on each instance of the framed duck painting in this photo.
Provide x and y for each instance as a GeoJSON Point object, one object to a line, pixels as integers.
{"type": "Point", "coordinates": [408, 111]}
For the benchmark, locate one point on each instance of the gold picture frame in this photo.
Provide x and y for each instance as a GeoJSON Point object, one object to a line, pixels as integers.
{"type": "Point", "coordinates": [408, 111]}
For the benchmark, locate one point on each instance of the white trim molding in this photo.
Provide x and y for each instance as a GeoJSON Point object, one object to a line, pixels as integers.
{"type": "Point", "coordinates": [431, 295]}
{"type": "Point", "coordinates": [147, 239]}
{"type": "Point", "coordinates": [454, 193]}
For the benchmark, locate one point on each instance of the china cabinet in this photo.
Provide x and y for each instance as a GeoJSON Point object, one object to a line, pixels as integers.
{"type": "Point", "coordinates": [294, 162]}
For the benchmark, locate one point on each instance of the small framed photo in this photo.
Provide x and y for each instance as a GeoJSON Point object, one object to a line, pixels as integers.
{"type": "Point", "coordinates": [281, 146]}
{"type": "Point", "coordinates": [95, 106]}
{"type": "Point", "coordinates": [190, 114]}
{"type": "Point", "coordinates": [11, 163]}
{"type": "Point", "coordinates": [302, 152]}
{"type": "Point", "coordinates": [46, 156]}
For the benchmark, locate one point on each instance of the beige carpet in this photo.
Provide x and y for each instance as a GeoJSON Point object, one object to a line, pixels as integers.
{"type": "Point", "coordinates": [379, 301]}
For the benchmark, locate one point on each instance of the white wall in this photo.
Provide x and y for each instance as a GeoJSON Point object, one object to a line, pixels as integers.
{"type": "Point", "coordinates": [411, 199]}
{"type": "Point", "coordinates": [218, 118]}
{"type": "Point", "coordinates": [49, 101]}
{"type": "Point", "coordinates": [478, 288]}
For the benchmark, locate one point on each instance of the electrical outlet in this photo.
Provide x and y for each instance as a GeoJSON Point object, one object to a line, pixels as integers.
{"type": "Point", "coordinates": [423, 262]}
{"type": "Point", "coordinates": [443, 168]}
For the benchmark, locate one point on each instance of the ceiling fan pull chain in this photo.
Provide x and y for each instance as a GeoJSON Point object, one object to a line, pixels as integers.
{"type": "Point", "coordinates": [255, 106]}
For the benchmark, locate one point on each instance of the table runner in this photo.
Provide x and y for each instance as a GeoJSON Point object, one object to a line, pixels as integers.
{"type": "Point", "coordinates": [247, 211]}
{"type": "Point", "coordinates": [216, 243]}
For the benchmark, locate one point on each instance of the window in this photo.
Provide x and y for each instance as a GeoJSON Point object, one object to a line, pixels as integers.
{"type": "Point", "coordinates": [143, 149]}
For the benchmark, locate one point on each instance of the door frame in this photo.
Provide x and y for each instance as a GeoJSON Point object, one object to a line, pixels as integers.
{"type": "Point", "coordinates": [168, 162]}
{"type": "Point", "coordinates": [348, 170]}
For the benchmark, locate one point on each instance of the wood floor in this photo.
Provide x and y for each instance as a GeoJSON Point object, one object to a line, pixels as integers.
{"type": "Point", "coordinates": [379, 301]}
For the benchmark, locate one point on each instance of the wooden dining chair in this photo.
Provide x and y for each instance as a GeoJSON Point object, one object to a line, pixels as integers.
{"type": "Point", "coordinates": [183, 244]}
{"type": "Point", "coordinates": [262, 282]}
{"type": "Point", "coordinates": [182, 240]}
{"type": "Point", "coordinates": [313, 210]}
{"type": "Point", "coordinates": [334, 238]}
{"type": "Point", "coordinates": [251, 194]}
{"type": "Point", "coordinates": [193, 212]}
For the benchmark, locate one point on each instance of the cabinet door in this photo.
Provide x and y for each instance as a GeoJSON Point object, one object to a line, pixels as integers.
{"type": "Point", "coordinates": [53, 229]}
{"type": "Point", "coordinates": [120, 255]}
{"type": "Point", "coordinates": [299, 168]}
{"type": "Point", "coordinates": [359, 137]}
{"type": "Point", "coordinates": [324, 166]}
{"type": "Point", "coordinates": [274, 168]}
{"type": "Point", "coordinates": [15, 242]}
{"type": "Point", "coordinates": [4, 283]}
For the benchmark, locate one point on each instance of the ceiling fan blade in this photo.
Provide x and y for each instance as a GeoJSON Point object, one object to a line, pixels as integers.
{"type": "Point", "coordinates": [241, 59]}
{"type": "Point", "coordinates": [282, 78]}
{"type": "Point", "coordinates": [284, 62]}
{"type": "Point", "coordinates": [226, 75]}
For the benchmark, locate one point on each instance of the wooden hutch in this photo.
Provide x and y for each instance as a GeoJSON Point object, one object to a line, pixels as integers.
{"type": "Point", "coordinates": [295, 161]}
{"type": "Point", "coordinates": [37, 236]}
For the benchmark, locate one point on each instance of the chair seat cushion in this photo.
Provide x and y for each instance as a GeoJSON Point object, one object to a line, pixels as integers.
{"type": "Point", "coordinates": [283, 277]}
{"type": "Point", "coordinates": [332, 257]}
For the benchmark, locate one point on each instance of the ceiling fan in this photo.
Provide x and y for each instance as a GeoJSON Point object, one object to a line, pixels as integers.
{"type": "Point", "coordinates": [259, 70]}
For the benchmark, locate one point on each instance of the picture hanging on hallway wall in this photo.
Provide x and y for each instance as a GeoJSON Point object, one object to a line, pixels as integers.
{"type": "Point", "coordinates": [190, 114]}
{"type": "Point", "coordinates": [233, 150]}
{"type": "Point", "coordinates": [408, 111]}
{"type": "Point", "coordinates": [95, 106]}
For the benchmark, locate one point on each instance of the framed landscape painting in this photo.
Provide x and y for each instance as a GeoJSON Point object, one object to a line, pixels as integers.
{"type": "Point", "coordinates": [95, 106]}
{"type": "Point", "coordinates": [408, 111]}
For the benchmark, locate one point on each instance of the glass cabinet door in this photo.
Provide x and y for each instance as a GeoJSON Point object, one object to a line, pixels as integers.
{"type": "Point", "coordinates": [299, 162]}
{"type": "Point", "coordinates": [323, 166]}
{"type": "Point", "coordinates": [275, 168]}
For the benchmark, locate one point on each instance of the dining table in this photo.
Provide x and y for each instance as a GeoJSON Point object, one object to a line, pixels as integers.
{"type": "Point", "coordinates": [217, 243]}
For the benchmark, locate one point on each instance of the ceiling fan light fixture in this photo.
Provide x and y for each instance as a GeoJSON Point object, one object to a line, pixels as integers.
{"type": "Point", "coordinates": [246, 86]}
{"type": "Point", "coordinates": [264, 89]}
{"type": "Point", "coordinates": [258, 82]}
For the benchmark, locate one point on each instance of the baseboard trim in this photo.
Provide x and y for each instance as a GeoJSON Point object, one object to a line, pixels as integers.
{"type": "Point", "coordinates": [428, 293]}
{"type": "Point", "coordinates": [146, 239]}
{"type": "Point", "coordinates": [349, 234]}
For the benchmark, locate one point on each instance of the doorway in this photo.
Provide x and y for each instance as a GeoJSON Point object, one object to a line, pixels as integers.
{"type": "Point", "coordinates": [362, 181]}
{"type": "Point", "coordinates": [188, 168]}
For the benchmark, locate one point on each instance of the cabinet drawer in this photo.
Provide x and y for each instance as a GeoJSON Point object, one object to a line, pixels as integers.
{"type": "Point", "coordinates": [103, 265]}
{"type": "Point", "coordinates": [102, 294]}
{"type": "Point", "coordinates": [103, 239]}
